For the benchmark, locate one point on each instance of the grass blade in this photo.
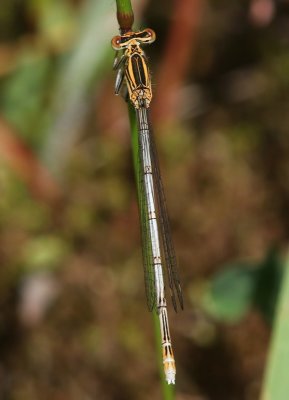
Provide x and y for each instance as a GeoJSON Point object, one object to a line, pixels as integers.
{"type": "Point", "coordinates": [276, 383]}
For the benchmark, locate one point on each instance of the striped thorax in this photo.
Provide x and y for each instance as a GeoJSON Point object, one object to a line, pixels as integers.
{"type": "Point", "coordinates": [137, 74]}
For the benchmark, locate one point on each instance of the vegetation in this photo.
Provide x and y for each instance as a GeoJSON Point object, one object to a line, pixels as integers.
{"type": "Point", "coordinates": [73, 318]}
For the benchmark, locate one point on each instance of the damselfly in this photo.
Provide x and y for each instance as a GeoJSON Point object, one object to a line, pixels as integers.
{"type": "Point", "coordinates": [133, 75]}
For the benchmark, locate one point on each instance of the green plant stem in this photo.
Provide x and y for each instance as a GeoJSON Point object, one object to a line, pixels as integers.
{"type": "Point", "coordinates": [125, 15]}
{"type": "Point", "coordinates": [124, 7]}
{"type": "Point", "coordinates": [276, 383]}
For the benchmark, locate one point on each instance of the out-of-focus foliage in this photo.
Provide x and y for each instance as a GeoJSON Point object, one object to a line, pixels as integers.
{"type": "Point", "coordinates": [240, 287]}
{"type": "Point", "coordinates": [73, 317]}
{"type": "Point", "coordinates": [23, 96]}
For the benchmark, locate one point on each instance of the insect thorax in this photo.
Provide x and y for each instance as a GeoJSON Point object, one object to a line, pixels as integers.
{"type": "Point", "coordinates": [138, 76]}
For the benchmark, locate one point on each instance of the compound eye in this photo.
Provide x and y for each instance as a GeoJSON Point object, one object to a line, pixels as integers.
{"type": "Point", "coordinates": [116, 42]}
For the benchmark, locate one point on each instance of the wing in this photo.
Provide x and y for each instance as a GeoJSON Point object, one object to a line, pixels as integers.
{"type": "Point", "coordinates": [165, 231]}
{"type": "Point", "coordinates": [163, 223]}
{"type": "Point", "coordinates": [146, 236]}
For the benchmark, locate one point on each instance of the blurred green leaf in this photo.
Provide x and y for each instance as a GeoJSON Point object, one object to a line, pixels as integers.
{"type": "Point", "coordinates": [81, 72]}
{"type": "Point", "coordinates": [44, 253]}
{"type": "Point", "coordinates": [24, 96]}
{"type": "Point", "coordinates": [56, 20]}
{"type": "Point", "coordinates": [268, 284]}
{"type": "Point", "coordinates": [230, 293]}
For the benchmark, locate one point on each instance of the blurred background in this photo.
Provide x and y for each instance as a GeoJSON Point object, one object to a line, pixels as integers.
{"type": "Point", "coordinates": [74, 322]}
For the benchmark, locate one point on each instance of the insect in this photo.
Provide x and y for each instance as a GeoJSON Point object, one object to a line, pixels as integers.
{"type": "Point", "coordinates": [133, 76]}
